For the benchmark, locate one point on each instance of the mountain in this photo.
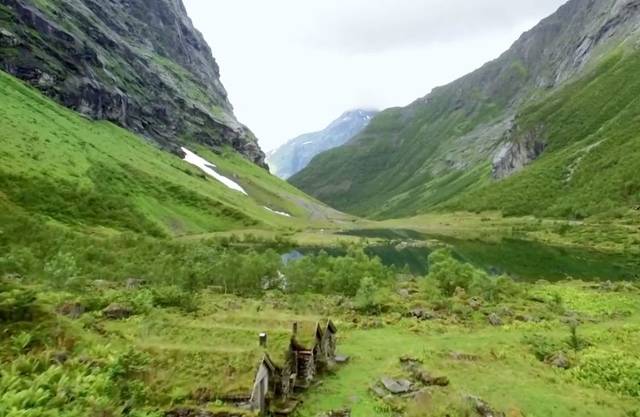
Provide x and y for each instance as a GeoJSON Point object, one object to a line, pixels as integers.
{"type": "Point", "coordinates": [549, 128]}
{"type": "Point", "coordinates": [93, 96]}
{"type": "Point", "coordinates": [295, 155]}
{"type": "Point", "coordinates": [138, 63]}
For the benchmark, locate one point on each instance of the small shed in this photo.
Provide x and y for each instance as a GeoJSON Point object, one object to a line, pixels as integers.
{"type": "Point", "coordinates": [274, 383]}
{"type": "Point", "coordinates": [326, 340]}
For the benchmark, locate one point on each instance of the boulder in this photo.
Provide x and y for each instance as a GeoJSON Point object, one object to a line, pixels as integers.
{"type": "Point", "coordinates": [396, 386]}
{"type": "Point", "coordinates": [559, 360]}
{"type": "Point", "coordinates": [494, 319]}
{"type": "Point", "coordinates": [422, 314]}
{"type": "Point", "coordinates": [72, 310]}
{"type": "Point", "coordinates": [134, 283]}
{"type": "Point", "coordinates": [483, 409]}
{"type": "Point", "coordinates": [475, 303]}
{"type": "Point", "coordinates": [429, 380]}
{"type": "Point", "coordinates": [117, 311]}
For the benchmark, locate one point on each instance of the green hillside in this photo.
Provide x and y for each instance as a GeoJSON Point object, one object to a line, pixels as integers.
{"type": "Point", "coordinates": [591, 164]}
{"type": "Point", "coordinates": [95, 176]}
{"type": "Point", "coordinates": [548, 128]}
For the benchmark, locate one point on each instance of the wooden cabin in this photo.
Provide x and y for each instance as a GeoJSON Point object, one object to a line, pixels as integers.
{"type": "Point", "coordinates": [275, 385]}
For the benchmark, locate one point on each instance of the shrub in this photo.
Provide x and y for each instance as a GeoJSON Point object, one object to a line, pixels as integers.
{"type": "Point", "coordinates": [542, 347]}
{"type": "Point", "coordinates": [174, 296]}
{"type": "Point", "coordinates": [61, 269]}
{"type": "Point", "coordinates": [17, 304]}
{"type": "Point", "coordinates": [450, 274]}
{"type": "Point", "coordinates": [613, 371]}
{"type": "Point", "coordinates": [369, 299]}
{"type": "Point", "coordinates": [341, 275]}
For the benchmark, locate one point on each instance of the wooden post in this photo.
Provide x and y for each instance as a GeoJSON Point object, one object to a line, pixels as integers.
{"type": "Point", "coordinates": [263, 340]}
{"type": "Point", "coordinates": [295, 328]}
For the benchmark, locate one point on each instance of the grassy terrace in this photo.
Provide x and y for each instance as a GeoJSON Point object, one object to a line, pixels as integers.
{"type": "Point", "coordinates": [193, 358]}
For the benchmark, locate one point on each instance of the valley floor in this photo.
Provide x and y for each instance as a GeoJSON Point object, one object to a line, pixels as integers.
{"type": "Point", "coordinates": [512, 354]}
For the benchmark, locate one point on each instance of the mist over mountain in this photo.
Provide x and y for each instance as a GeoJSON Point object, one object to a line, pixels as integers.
{"type": "Point", "coordinates": [295, 155]}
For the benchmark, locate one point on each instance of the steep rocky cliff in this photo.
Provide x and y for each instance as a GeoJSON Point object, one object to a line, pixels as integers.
{"type": "Point", "coordinates": [295, 155]}
{"type": "Point", "coordinates": [412, 159]}
{"type": "Point", "coordinates": [138, 63]}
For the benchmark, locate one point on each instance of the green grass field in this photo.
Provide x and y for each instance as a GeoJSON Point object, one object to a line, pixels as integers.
{"type": "Point", "coordinates": [192, 358]}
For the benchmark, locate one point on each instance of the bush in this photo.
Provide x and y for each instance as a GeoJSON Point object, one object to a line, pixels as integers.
{"type": "Point", "coordinates": [323, 274]}
{"type": "Point", "coordinates": [17, 304]}
{"type": "Point", "coordinates": [449, 274]}
{"type": "Point", "coordinates": [174, 296]}
{"type": "Point", "coordinates": [370, 298]}
{"type": "Point", "coordinates": [613, 371]}
{"type": "Point", "coordinates": [542, 347]}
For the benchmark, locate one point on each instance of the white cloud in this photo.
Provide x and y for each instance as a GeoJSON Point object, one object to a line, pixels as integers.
{"type": "Point", "coordinates": [292, 66]}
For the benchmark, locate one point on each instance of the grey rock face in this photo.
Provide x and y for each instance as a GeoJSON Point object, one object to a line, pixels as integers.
{"type": "Point", "coordinates": [518, 153]}
{"type": "Point", "coordinates": [296, 154]}
{"type": "Point", "coordinates": [138, 63]}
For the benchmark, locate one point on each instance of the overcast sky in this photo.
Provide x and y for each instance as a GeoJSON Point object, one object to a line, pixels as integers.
{"type": "Point", "coordinates": [292, 66]}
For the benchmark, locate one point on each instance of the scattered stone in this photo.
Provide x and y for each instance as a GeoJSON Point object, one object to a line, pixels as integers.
{"type": "Point", "coordinates": [427, 379]}
{"type": "Point", "coordinates": [422, 314]}
{"type": "Point", "coordinates": [396, 386]}
{"type": "Point", "coordinates": [135, 283]}
{"type": "Point", "coordinates": [506, 312]}
{"type": "Point", "coordinates": [341, 359]}
{"type": "Point", "coordinates": [494, 319]}
{"type": "Point", "coordinates": [559, 360]}
{"type": "Point", "coordinates": [192, 412]}
{"type": "Point", "coordinates": [71, 310]}
{"type": "Point", "coordinates": [459, 356]}
{"type": "Point", "coordinates": [484, 409]}
{"type": "Point", "coordinates": [117, 312]}
{"type": "Point", "coordinates": [336, 413]}
{"type": "Point", "coordinates": [475, 303]}
{"type": "Point", "coordinates": [403, 293]}
{"type": "Point", "coordinates": [102, 284]}
{"type": "Point", "coordinates": [409, 360]}
{"type": "Point", "coordinates": [61, 357]}
{"type": "Point", "coordinates": [378, 391]}
{"type": "Point", "coordinates": [524, 318]}
{"type": "Point", "coordinates": [12, 277]}
{"type": "Point", "coordinates": [8, 38]}
{"type": "Point", "coordinates": [202, 395]}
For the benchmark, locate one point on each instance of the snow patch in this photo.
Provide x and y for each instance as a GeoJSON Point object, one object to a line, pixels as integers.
{"type": "Point", "coordinates": [207, 167]}
{"type": "Point", "coordinates": [308, 143]}
{"type": "Point", "coordinates": [279, 213]}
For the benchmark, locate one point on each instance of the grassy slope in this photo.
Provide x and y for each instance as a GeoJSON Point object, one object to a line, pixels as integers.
{"type": "Point", "coordinates": [213, 352]}
{"type": "Point", "coordinates": [591, 164]}
{"type": "Point", "coordinates": [391, 158]}
{"type": "Point", "coordinates": [589, 167]}
{"type": "Point", "coordinates": [504, 372]}
{"type": "Point", "coordinates": [94, 174]}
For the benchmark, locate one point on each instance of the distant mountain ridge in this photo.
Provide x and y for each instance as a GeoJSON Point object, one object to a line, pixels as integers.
{"type": "Point", "coordinates": [541, 103]}
{"type": "Point", "coordinates": [296, 154]}
{"type": "Point", "coordinates": [138, 63]}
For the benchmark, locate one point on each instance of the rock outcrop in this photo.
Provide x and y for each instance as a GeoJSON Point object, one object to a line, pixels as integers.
{"type": "Point", "coordinates": [138, 63]}
{"type": "Point", "coordinates": [517, 153]}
